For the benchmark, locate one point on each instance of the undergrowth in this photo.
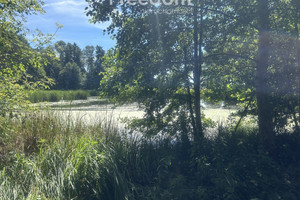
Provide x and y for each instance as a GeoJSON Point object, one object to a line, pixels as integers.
{"type": "Point", "coordinates": [57, 95]}
{"type": "Point", "coordinates": [43, 157]}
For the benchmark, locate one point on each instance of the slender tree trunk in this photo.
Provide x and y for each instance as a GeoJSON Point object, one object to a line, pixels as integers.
{"type": "Point", "coordinates": [298, 52]}
{"type": "Point", "coordinates": [200, 68]}
{"type": "Point", "coordinates": [263, 92]}
{"type": "Point", "coordinates": [298, 62]}
{"type": "Point", "coordinates": [189, 96]}
{"type": "Point", "coordinates": [197, 74]}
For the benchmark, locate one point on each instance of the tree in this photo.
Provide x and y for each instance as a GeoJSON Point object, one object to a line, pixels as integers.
{"type": "Point", "coordinates": [77, 56]}
{"type": "Point", "coordinates": [16, 56]}
{"type": "Point", "coordinates": [60, 47]}
{"type": "Point", "coordinates": [155, 61]}
{"type": "Point", "coordinates": [93, 61]}
{"type": "Point", "coordinates": [275, 80]}
{"type": "Point", "coordinates": [89, 57]}
{"type": "Point", "coordinates": [159, 57]}
{"type": "Point", "coordinates": [70, 55]}
{"type": "Point", "coordinates": [53, 67]}
{"type": "Point", "coordinates": [275, 83]}
{"type": "Point", "coordinates": [262, 92]}
{"type": "Point", "coordinates": [70, 77]}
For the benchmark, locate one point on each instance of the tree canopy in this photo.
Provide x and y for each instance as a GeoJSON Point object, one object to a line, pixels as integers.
{"type": "Point", "coordinates": [16, 55]}
{"type": "Point", "coordinates": [217, 50]}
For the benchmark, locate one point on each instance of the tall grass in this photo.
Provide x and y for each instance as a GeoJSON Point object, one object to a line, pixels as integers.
{"type": "Point", "coordinates": [57, 95]}
{"type": "Point", "coordinates": [44, 157]}
{"type": "Point", "coordinates": [50, 159]}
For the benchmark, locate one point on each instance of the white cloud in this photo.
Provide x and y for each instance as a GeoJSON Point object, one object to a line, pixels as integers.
{"type": "Point", "coordinates": [76, 26]}
{"type": "Point", "coordinates": [69, 8]}
{"type": "Point", "coordinates": [71, 12]}
{"type": "Point", "coordinates": [66, 2]}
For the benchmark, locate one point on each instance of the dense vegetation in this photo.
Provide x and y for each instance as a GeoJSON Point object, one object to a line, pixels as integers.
{"type": "Point", "coordinates": [240, 51]}
{"type": "Point", "coordinates": [43, 157]}
{"type": "Point", "coordinates": [72, 68]}
{"type": "Point", "coordinates": [58, 95]}
{"type": "Point", "coordinates": [245, 53]}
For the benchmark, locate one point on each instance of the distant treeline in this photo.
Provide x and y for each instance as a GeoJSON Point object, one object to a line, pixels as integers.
{"type": "Point", "coordinates": [71, 68]}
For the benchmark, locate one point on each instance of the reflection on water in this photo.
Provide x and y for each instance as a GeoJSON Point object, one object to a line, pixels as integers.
{"type": "Point", "coordinates": [94, 110]}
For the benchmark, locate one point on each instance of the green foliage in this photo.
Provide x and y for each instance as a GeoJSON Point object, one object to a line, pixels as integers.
{"type": "Point", "coordinates": [70, 77]}
{"type": "Point", "coordinates": [159, 57]}
{"type": "Point", "coordinates": [74, 68]}
{"type": "Point", "coordinates": [69, 53]}
{"type": "Point", "coordinates": [17, 57]}
{"type": "Point", "coordinates": [157, 61]}
{"type": "Point", "coordinates": [93, 60]}
{"type": "Point", "coordinates": [53, 159]}
{"type": "Point", "coordinates": [57, 95]}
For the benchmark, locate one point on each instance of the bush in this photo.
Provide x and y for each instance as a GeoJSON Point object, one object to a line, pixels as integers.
{"type": "Point", "coordinates": [94, 93]}
{"type": "Point", "coordinates": [81, 94]}
{"type": "Point", "coordinates": [57, 95]}
{"type": "Point", "coordinates": [53, 97]}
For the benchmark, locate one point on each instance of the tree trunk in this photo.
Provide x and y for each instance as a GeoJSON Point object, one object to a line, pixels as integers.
{"type": "Point", "coordinates": [200, 69]}
{"type": "Point", "coordinates": [189, 96]}
{"type": "Point", "coordinates": [298, 62]}
{"type": "Point", "coordinates": [298, 59]}
{"type": "Point", "coordinates": [263, 92]}
{"type": "Point", "coordinates": [197, 74]}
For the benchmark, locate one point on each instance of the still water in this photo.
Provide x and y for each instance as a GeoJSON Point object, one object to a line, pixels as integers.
{"type": "Point", "coordinates": [94, 110]}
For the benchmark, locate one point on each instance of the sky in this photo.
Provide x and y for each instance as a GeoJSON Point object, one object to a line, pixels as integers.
{"type": "Point", "coordinates": [76, 25]}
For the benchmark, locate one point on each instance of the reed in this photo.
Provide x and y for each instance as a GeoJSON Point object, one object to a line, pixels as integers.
{"type": "Point", "coordinates": [44, 157]}
{"type": "Point", "coordinates": [57, 95]}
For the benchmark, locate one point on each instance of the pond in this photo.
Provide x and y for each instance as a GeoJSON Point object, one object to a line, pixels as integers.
{"type": "Point", "coordinates": [95, 110]}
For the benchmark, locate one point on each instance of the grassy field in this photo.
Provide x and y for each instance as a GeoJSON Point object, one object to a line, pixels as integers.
{"type": "Point", "coordinates": [43, 157]}
{"type": "Point", "coordinates": [57, 95]}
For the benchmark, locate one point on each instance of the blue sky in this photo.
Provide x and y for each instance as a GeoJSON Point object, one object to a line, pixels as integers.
{"type": "Point", "coordinates": [76, 26]}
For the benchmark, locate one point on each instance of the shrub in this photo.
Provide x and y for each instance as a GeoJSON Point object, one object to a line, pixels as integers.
{"type": "Point", "coordinates": [81, 94]}
{"type": "Point", "coordinates": [57, 95]}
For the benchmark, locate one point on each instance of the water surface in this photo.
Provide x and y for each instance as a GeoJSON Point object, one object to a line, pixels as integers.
{"type": "Point", "coordinates": [95, 110]}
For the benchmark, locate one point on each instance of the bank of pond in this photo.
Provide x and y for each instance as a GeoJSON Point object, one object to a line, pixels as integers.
{"type": "Point", "coordinates": [43, 157]}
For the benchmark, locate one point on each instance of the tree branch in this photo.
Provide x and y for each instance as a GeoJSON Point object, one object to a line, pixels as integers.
{"type": "Point", "coordinates": [230, 55]}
